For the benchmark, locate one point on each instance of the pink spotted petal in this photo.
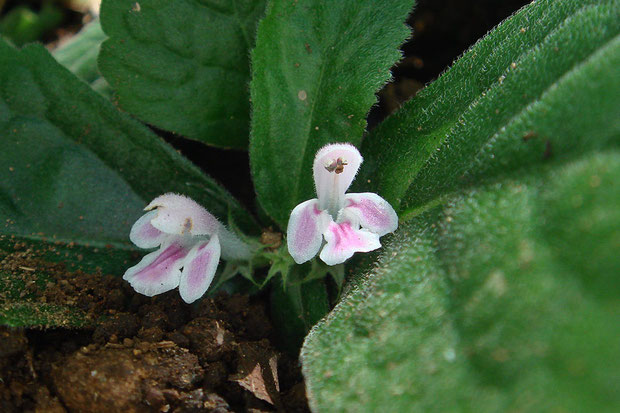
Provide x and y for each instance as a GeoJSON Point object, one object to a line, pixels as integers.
{"type": "Point", "coordinates": [343, 240]}
{"type": "Point", "coordinates": [199, 269]}
{"type": "Point", "coordinates": [159, 271]}
{"type": "Point", "coordinates": [178, 214]}
{"type": "Point", "coordinates": [304, 234]}
{"type": "Point", "coordinates": [373, 212]}
{"type": "Point", "coordinates": [145, 235]}
{"type": "Point", "coordinates": [330, 183]}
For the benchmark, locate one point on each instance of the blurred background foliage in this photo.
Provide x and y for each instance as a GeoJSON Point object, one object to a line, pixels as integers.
{"type": "Point", "coordinates": [46, 21]}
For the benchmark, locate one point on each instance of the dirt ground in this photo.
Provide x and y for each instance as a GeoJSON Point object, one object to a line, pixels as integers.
{"type": "Point", "coordinates": [144, 354]}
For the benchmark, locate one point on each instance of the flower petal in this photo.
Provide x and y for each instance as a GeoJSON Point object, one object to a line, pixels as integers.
{"type": "Point", "coordinates": [304, 234]}
{"type": "Point", "coordinates": [334, 168]}
{"type": "Point", "coordinates": [145, 235]}
{"type": "Point", "coordinates": [373, 212]}
{"type": "Point", "coordinates": [177, 214]}
{"type": "Point", "coordinates": [199, 269]}
{"type": "Point", "coordinates": [343, 240]}
{"type": "Point", "coordinates": [159, 271]}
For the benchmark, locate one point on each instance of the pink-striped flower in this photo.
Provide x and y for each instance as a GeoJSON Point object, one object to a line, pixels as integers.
{"type": "Point", "coordinates": [190, 242]}
{"type": "Point", "coordinates": [342, 224]}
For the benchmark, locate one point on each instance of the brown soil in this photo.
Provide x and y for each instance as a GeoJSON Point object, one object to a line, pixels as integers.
{"type": "Point", "coordinates": [140, 354]}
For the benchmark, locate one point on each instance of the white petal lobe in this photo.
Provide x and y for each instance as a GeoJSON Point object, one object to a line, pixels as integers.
{"type": "Point", "coordinates": [159, 271]}
{"type": "Point", "coordinates": [373, 212]}
{"type": "Point", "coordinates": [145, 235]}
{"type": "Point", "coordinates": [304, 234]}
{"type": "Point", "coordinates": [199, 269]}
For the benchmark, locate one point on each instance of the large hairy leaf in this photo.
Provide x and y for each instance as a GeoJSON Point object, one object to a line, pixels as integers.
{"type": "Point", "coordinates": [183, 65]}
{"type": "Point", "coordinates": [500, 289]}
{"type": "Point", "coordinates": [76, 170]}
{"type": "Point", "coordinates": [473, 306]}
{"type": "Point", "coordinates": [316, 68]}
{"type": "Point", "coordinates": [541, 86]}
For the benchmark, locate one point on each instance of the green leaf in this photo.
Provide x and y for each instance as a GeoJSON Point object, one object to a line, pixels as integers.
{"type": "Point", "coordinates": [77, 171]}
{"type": "Point", "coordinates": [28, 266]}
{"type": "Point", "coordinates": [79, 55]}
{"type": "Point", "coordinates": [75, 256]}
{"type": "Point", "coordinates": [64, 143]}
{"type": "Point", "coordinates": [40, 315]}
{"type": "Point", "coordinates": [475, 301]}
{"type": "Point", "coordinates": [183, 65]}
{"type": "Point", "coordinates": [530, 91]}
{"type": "Point", "coordinates": [280, 262]}
{"type": "Point", "coordinates": [316, 68]}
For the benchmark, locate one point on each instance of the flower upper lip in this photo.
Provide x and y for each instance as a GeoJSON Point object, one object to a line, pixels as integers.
{"type": "Point", "coordinates": [332, 183]}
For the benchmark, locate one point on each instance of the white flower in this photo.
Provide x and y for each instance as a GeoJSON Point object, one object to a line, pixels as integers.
{"type": "Point", "coordinates": [348, 223]}
{"type": "Point", "coordinates": [190, 242]}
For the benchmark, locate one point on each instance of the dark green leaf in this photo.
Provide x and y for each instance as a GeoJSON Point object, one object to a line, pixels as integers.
{"type": "Point", "coordinates": [29, 264]}
{"type": "Point", "coordinates": [473, 302]}
{"type": "Point", "coordinates": [26, 313]}
{"type": "Point", "coordinates": [316, 68]}
{"type": "Point", "coordinates": [183, 65]}
{"type": "Point", "coordinates": [64, 143]}
{"type": "Point", "coordinates": [530, 91]}
{"type": "Point", "coordinates": [76, 170]}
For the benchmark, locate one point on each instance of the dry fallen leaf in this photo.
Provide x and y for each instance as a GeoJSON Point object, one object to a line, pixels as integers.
{"type": "Point", "coordinates": [258, 373]}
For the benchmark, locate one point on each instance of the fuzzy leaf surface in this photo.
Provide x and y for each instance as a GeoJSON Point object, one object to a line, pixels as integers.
{"type": "Point", "coordinates": [183, 65]}
{"type": "Point", "coordinates": [475, 300]}
{"type": "Point", "coordinates": [316, 68]}
{"type": "Point", "coordinates": [542, 86]}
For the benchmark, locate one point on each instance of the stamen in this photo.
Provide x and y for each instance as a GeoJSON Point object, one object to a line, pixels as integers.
{"type": "Point", "coordinates": [336, 165]}
{"type": "Point", "coordinates": [189, 224]}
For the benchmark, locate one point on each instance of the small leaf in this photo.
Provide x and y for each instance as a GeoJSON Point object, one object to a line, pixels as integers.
{"type": "Point", "coordinates": [529, 92]}
{"type": "Point", "coordinates": [280, 262]}
{"type": "Point", "coordinates": [112, 258]}
{"type": "Point", "coordinates": [79, 55]}
{"type": "Point", "coordinates": [27, 267]}
{"type": "Point", "coordinates": [316, 68]}
{"type": "Point", "coordinates": [183, 65]}
{"type": "Point", "coordinates": [78, 172]}
{"type": "Point", "coordinates": [24, 313]}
